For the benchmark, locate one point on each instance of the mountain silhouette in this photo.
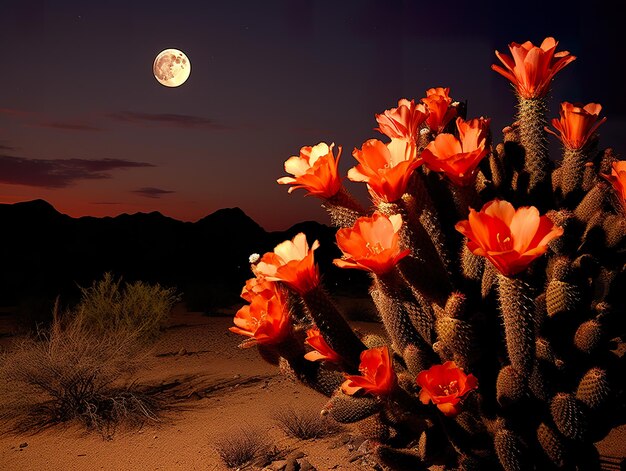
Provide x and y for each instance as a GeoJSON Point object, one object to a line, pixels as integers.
{"type": "Point", "coordinates": [45, 254]}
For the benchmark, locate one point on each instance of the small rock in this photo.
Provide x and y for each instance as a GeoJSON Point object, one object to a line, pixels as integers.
{"type": "Point", "coordinates": [277, 465]}
{"type": "Point", "coordinates": [306, 466]}
{"type": "Point", "coordinates": [23, 445]}
{"type": "Point", "coordinates": [292, 465]}
{"type": "Point", "coordinates": [361, 451]}
{"type": "Point", "coordinates": [182, 352]}
{"type": "Point", "coordinates": [296, 455]}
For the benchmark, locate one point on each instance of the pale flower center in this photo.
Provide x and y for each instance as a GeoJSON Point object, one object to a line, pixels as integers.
{"type": "Point", "coordinates": [448, 389]}
{"type": "Point", "coordinates": [505, 243]}
{"type": "Point", "coordinates": [374, 248]}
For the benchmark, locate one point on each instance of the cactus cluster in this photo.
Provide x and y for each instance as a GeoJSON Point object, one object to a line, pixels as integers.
{"type": "Point", "coordinates": [495, 271]}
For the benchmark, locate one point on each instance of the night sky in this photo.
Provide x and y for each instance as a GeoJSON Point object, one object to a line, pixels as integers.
{"type": "Point", "coordinates": [85, 125]}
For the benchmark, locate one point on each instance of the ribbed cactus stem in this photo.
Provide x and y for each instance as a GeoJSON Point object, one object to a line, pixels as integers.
{"type": "Point", "coordinates": [517, 308]}
{"type": "Point", "coordinates": [421, 212]}
{"type": "Point", "coordinates": [465, 197]}
{"type": "Point", "coordinates": [532, 137]}
{"type": "Point", "coordinates": [572, 171]}
{"type": "Point", "coordinates": [310, 373]}
{"type": "Point", "coordinates": [496, 165]}
{"type": "Point", "coordinates": [472, 266]}
{"type": "Point", "coordinates": [343, 209]}
{"type": "Point", "coordinates": [388, 298]}
{"type": "Point", "coordinates": [592, 203]}
{"type": "Point", "coordinates": [334, 328]}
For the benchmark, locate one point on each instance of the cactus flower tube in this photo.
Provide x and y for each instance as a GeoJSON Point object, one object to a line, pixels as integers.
{"type": "Point", "coordinates": [404, 121]}
{"type": "Point", "coordinates": [456, 158]}
{"type": "Point", "coordinates": [617, 178]}
{"type": "Point", "coordinates": [314, 170]}
{"type": "Point", "coordinates": [265, 320]}
{"type": "Point", "coordinates": [322, 350]}
{"type": "Point", "coordinates": [373, 244]}
{"type": "Point", "coordinates": [377, 374]}
{"type": "Point", "coordinates": [445, 385]}
{"type": "Point", "coordinates": [386, 168]}
{"type": "Point", "coordinates": [292, 263]}
{"type": "Point", "coordinates": [440, 108]}
{"type": "Point", "coordinates": [510, 239]}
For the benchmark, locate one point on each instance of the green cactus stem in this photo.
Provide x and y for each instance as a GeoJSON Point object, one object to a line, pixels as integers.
{"type": "Point", "coordinates": [387, 295]}
{"type": "Point", "coordinates": [343, 209]}
{"type": "Point", "coordinates": [314, 375]}
{"type": "Point", "coordinates": [400, 459]}
{"type": "Point", "coordinates": [374, 428]}
{"type": "Point", "coordinates": [350, 409]}
{"type": "Point", "coordinates": [569, 416]}
{"type": "Point", "coordinates": [457, 336]}
{"type": "Point", "coordinates": [572, 172]}
{"type": "Point", "coordinates": [589, 336]}
{"type": "Point", "coordinates": [592, 203]}
{"type": "Point", "coordinates": [517, 308]}
{"type": "Point", "coordinates": [532, 137]}
{"type": "Point", "coordinates": [489, 280]}
{"type": "Point", "coordinates": [334, 328]}
{"type": "Point", "coordinates": [553, 444]}
{"type": "Point", "coordinates": [472, 266]}
{"type": "Point", "coordinates": [510, 450]}
{"type": "Point", "coordinates": [561, 297]}
{"type": "Point", "coordinates": [497, 167]}
{"type": "Point", "coordinates": [421, 211]}
{"type": "Point", "coordinates": [465, 197]}
{"type": "Point", "coordinates": [510, 387]}
{"type": "Point", "coordinates": [594, 388]}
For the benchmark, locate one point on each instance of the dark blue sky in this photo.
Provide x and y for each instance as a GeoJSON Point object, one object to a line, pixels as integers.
{"type": "Point", "coordinates": [84, 125]}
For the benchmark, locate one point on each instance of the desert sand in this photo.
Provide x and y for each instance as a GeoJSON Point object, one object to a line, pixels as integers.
{"type": "Point", "coordinates": [216, 388]}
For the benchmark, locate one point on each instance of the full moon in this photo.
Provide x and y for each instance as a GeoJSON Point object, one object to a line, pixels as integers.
{"type": "Point", "coordinates": [171, 67]}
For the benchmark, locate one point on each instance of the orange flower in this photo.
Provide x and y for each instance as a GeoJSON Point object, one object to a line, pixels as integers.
{"type": "Point", "coordinates": [372, 244]}
{"type": "Point", "coordinates": [322, 349]}
{"type": "Point", "coordinates": [257, 285]}
{"type": "Point", "coordinates": [532, 68]}
{"type": "Point", "coordinates": [386, 168]}
{"type": "Point", "coordinates": [577, 123]}
{"type": "Point", "coordinates": [438, 103]}
{"type": "Point", "coordinates": [402, 122]}
{"type": "Point", "coordinates": [445, 385]}
{"type": "Point", "coordinates": [618, 180]}
{"type": "Point", "coordinates": [509, 238]}
{"type": "Point", "coordinates": [315, 170]}
{"type": "Point", "coordinates": [265, 320]}
{"type": "Point", "coordinates": [292, 263]}
{"type": "Point", "coordinates": [377, 375]}
{"type": "Point", "coordinates": [458, 158]}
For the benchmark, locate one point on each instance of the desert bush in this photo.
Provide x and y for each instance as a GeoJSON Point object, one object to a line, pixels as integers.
{"type": "Point", "coordinates": [305, 424]}
{"type": "Point", "coordinates": [110, 304]}
{"type": "Point", "coordinates": [73, 371]}
{"type": "Point", "coordinates": [244, 447]}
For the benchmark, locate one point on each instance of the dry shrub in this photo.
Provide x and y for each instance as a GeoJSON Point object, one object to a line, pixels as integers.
{"type": "Point", "coordinates": [306, 424]}
{"type": "Point", "coordinates": [110, 304]}
{"type": "Point", "coordinates": [73, 371]}
{"type": "Point", "coordinates": [245, 447]}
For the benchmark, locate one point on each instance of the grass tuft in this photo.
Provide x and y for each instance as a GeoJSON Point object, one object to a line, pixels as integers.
{"type": "Point", "coordinates": [245, 447]}
{"type": "Point", "coordinates": [306, 424]}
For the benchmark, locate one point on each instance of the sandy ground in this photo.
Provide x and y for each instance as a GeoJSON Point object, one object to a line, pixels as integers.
{"type": "Point", "coordinates": [221, 389]}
